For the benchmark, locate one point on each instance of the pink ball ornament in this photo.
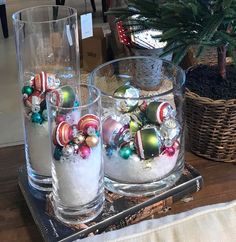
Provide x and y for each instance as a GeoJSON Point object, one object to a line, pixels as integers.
{"type": "Point", "coordinates": [84, 151]}
{"type": "Point", "coordinates": [169, 151]}
{"type": "Point", "coordinates": [60, 118]}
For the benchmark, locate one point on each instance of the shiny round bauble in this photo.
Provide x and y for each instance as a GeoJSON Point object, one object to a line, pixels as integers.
{"type": "Point", "coordinates": [91, 131]}
{"type": "Point", "coordinates": [68, 150]}
{"type": "Point", "coordinates": [148, 142]}
{"type": "Point", "coordinates": [110, 128]}
{"type": "Point", "coordinates": [79, 139]}
{"type": "Point", "coordinates": [84, 151]}
{"type": "Point", "coordinates": [63, 97]}
{"type": "Point", "coordinates": [57, 152]}
{"type": "Point", "coordinates": [125, 152]}
{"type": "Point", "coordinates": [88, 121]}
{"type": "Point", "coordinates": [63, 134]}
{"type": "Point", "coordinates": [92, 141]}
{"type": "Point", "coordinates": [169, 151]}
{"type": "Point", "coordinates": [34, 99]}
{"type": "Point", "coordinates": [126, 92]}
{"type": "Point", "coordinates": [44, 82]}
{"type": "Point", "coordinates": [156, 112]}
{"type": "Point", "coordinates": [28, 90]}
{"type": "Point", "coordinates": [35, 108]}
{"type": "Point", "coordinates": [60, 118]}
{"type": "Point", "coordinates": [170, 130]}
{"type": "Point", "coordinates": [45, 114]}
{"type": "Point", "coordinates": [36, 118]}
{"type": "Point", "coordinates": [135, 124]}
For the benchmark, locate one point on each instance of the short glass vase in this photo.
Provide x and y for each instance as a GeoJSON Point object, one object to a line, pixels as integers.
{"type": "Point", "coordinates": [142, 124]}
{"type": "Point", "coordinates": [76, 143]}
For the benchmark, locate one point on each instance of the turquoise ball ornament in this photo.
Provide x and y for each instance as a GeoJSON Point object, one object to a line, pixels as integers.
{"type": "Point", "coordinates": [126, 91]}
{"type": "Point", "coordinates": [27, 90]}
{"type": "Point", "coordinates": [37, 118]}
{"type": "Point", "coordinates": [148, 142]}
{"type": "Point", "coordinates": [125, 152]}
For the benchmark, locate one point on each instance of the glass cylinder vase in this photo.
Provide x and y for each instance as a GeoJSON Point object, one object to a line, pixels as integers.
{"type": "Point", "coordinates": [143, 126]}
{"type": "Point", "coordinates": [47, 49]}
{"type": "Point", "coordinates": [77, 167]}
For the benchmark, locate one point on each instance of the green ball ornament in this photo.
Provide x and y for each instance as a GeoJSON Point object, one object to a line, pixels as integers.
{"type": "Point", "coordinates": [27, 90]}
{"type": "Point", "coordinates": [125, 152]}
{"type": "Point", "coordinates": [37, 118]}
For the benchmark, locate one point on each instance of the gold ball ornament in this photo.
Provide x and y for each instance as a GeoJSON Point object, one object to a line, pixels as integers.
{"type": "Point", "coordinates": [91, 141]}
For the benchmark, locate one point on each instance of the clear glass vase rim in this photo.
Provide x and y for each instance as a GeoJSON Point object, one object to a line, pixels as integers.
{"type": "Point", "coordinates": [80, 107]}
{"type": "Point", "coordinates": [15, 18]}
{"type": "Point", "coordinates": [92, 74]}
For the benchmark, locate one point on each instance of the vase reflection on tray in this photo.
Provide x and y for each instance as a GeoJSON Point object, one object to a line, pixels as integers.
{"type": "Point", "coordinates": [143, 146]}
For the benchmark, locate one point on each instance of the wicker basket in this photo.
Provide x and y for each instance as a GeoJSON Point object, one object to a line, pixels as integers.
{"type": "Point", "coordinates": [211, 123]}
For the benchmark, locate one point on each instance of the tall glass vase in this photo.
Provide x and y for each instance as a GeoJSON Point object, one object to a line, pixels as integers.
{"type": "Point", "coordinates": [47, 49]}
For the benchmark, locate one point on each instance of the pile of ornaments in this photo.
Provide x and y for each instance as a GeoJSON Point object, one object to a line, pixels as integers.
{"type": "Point", "coordinates": [34, 95]}
{"type": "Point", "coordinates": [73, 135]}
{"type": "Point", "coordinates": [146, 128]}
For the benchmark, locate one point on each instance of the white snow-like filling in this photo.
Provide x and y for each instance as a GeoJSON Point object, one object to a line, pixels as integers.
{"type": "Point", "coordinates": [78, 179]}
{"type": "Point", "coordinates": [39, 147]}
{"type": "Point", "coordinates": [134, 170]}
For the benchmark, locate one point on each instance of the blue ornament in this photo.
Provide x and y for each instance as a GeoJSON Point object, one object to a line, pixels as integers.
{"type": "Point", "coordinates": [57, 153]}
{"type": "Point", "coordinates": [109, 151]}
{"type": "Point", "coordinates": [36, 118]}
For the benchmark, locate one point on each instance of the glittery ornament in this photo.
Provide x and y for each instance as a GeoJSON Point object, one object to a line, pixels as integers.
{"type": "Point", "coordinates": [68, 150]}
{"type": "Point", "coordinates": [125, 152]}
{"type": "Point", "coordinates": [36, 118]}
{"type": "Point", "coordinates": [148, 142]}
{"type": "Point", "coordinates": [157, 111]}
{"type": "Point", "coordinates": [92, 141]}
{"type": "Point", "coordinates": [170, 130]}
{"type": "Point", "coordinates": [91, 131]}
{"type": "Point", "coordinates": [28, 90]}
{"type": "Point", "coordinates": [79, 139]}
{"type": "Point", "coordinates": [63, 134]}
{"type": "Point", "coordinates": [88, 121]}
{"type": "Point", "coordinates": [63, 97]}
{"type": "Point", "coordinates": [126, 92]}
{"type": "Point", "coordinates": [45, 114]}
{"type": "Point", "coordinates": [57, 152]}
{"type": "Point", "coordinates": [45, 82]}
{"type": "Point", "coordinates": [84, 151]}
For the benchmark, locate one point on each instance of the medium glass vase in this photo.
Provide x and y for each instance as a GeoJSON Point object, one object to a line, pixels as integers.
{"type": "Point", "coordinates": [47, 50]}
{"type": "Point", "coordinates": [143, 124]}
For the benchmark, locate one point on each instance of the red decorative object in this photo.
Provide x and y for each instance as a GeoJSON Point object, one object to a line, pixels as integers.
{"type": "Point", "coordinates": [123, 38]}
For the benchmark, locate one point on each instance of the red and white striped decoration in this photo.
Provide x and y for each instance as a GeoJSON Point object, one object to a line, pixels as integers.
{"type": "Point", "coordinates": [123, 38]}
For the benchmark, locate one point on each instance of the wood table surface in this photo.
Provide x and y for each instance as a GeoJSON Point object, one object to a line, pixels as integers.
{"type": "Point", "coordinates": [16, 223]}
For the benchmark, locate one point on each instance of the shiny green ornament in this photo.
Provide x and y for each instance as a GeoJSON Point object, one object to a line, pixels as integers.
{"type": "Point", "coordinates": [27, 90]}
{"type": "Point", "coordinates": [57, 153]}
{"type": "Point", "coordinates": [36, 118]}
{"type": "Point", "coordinates": [125, 152]}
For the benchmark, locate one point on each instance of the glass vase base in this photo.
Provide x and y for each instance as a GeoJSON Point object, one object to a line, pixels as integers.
{"type": "Point", "coordinates": [144, 189]}
{"type": "Point", "coordinates": [41, 183]}
{"type": "Point", "coordinates": [78, 215]}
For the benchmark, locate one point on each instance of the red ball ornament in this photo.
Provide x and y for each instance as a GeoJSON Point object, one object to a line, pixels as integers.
{"type": "Point", "coordinates": [143, 106]}
{"type": "Point", "coordinates": [60, 118]}
{"type": "Point", "coordinates": [170, 151]}
{"type": "Point", "coordinates": [45, 82]}
{"type": "Point", "coordinates": [84, 151]}
{"type": "Point", "coordinates": [63, 134]}
{"type": "Point", "coordinates": [88, 121]}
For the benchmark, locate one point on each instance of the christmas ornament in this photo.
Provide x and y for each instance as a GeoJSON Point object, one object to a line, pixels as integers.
{"type": "Point", "coordinates": [135, 124]}
{"type": "Point", "coordinates": [91, 141]}
{"type": "Point", "coordinates": [123, 136]}
{"type": "Point", "coordinates": [45, 82]}
{"type": "Point", "coordinates": [88, 121]}
{"type": "Point", "coordinates": [170, 151]}
{"type": "Point", "coordinates": [57, 152]}
{"type": "Point", "coordinates": [79, 139]}
{"type": "Point", "coordinates": [109, 151]}
{"type": "Point", "coordinates": [60, 118]}
{"type": "Point", "coordinates": [28, 90]}
{"type": "Point", "coordinates": [148, 142]}
{"type": "Point", "coordinates": [33, 100]}
{"type": "Point", "coordinates": [36, 118]}
{"type": "Point", "coordinates": [84, 151]}
{"type": "Point", "coordinates": [68, 150]}
{"type": "Point", "coordinates": [170, 130]}
{"type": "Point", "coordinates": [143, 106]}
{"type": "Point", "coordinates": [63, 134]}
{"type": "Point", "coordinates": [126, 92]}
{"type": "Point", "coordinates": [63, 97]}
{"type": "Point", "coordinates": [157, 111]}
{"type": "Point", "coordinates": [125, 152]}
{"type": "Point", "coordinates": [123, 38]}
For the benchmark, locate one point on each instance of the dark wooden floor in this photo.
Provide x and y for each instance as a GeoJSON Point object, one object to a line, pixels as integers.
{"type": "Point", "coordinates": [16, 223]}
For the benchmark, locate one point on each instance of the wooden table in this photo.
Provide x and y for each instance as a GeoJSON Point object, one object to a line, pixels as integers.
{"type": "Point", "coordinates": [16, 223]}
